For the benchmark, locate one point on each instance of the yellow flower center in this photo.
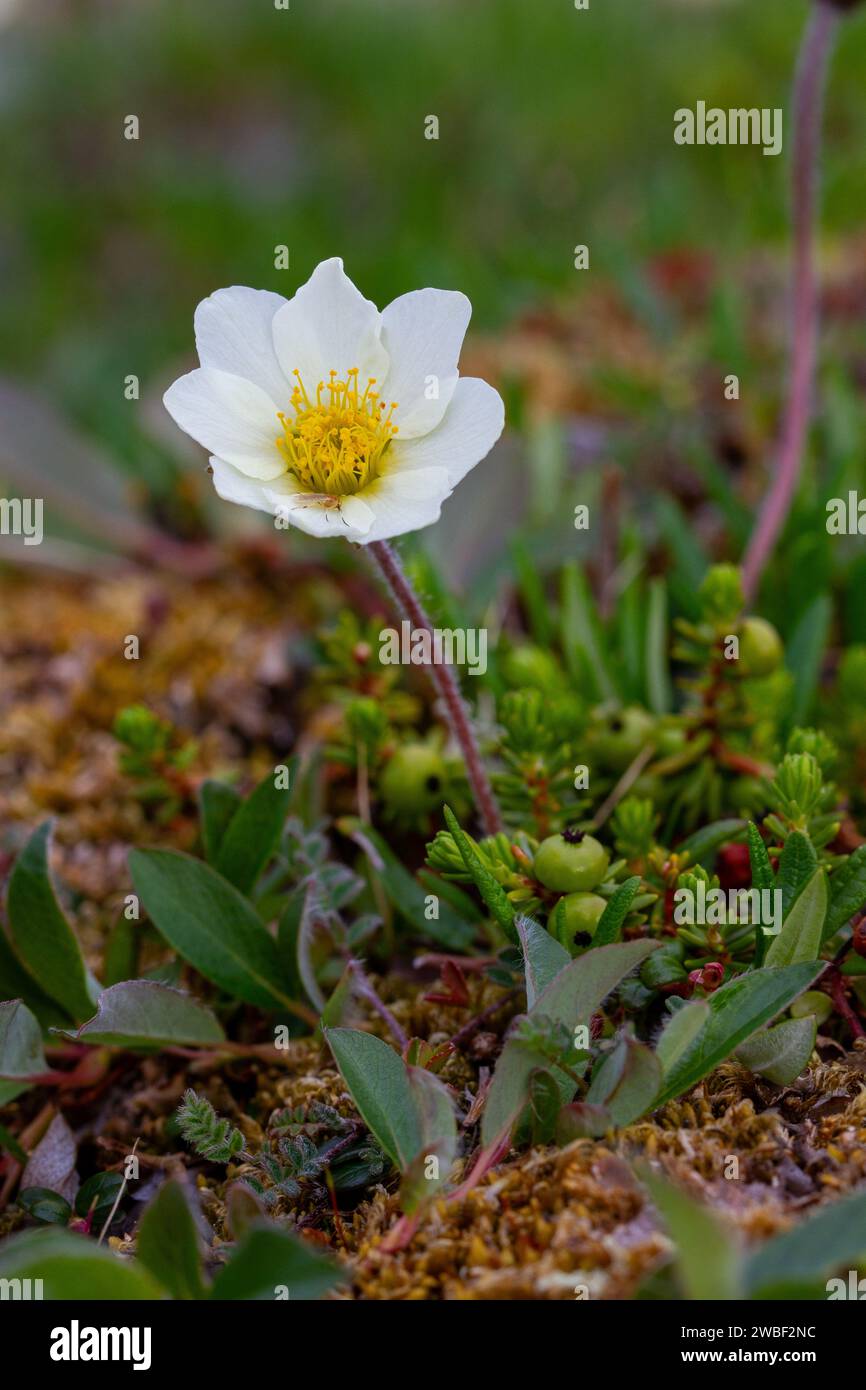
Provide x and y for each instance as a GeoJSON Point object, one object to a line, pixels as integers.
{"type": "Point", "coordinates": [335, 443]}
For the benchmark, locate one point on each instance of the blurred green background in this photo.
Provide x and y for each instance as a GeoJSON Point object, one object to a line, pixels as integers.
{"type": "Point", "coordinates": [305, 126]}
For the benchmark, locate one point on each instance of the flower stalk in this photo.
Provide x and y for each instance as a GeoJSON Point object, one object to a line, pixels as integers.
{"type": "Point", "coordinates": [409, 604]}
{"type": "Point", "coordinates": [808, 104]}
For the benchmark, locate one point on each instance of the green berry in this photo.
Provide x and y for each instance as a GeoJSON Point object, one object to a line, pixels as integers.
{"type": "Point", "coordinates": [721, 593]}
{"type": "Point", "coordinates": [670, 739]}
{"type": "Point", "coordinates": [533, 668]}
{"type": "Point", "coordinates": [619, 737]}
{"type": "Point", "coordinates": [571, 862]}
{"type": "Point", "coordinates": [413, 780]}
{"type": "Point", "coordinates": [576, 917]}
{"type": "Point", "coordinates": [760, 648]}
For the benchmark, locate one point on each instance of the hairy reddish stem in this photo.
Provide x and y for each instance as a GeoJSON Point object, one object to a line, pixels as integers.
{"type": "Point", "coordinates": [808, 103]}
{"type": "Point", "coordinates": [410, 605]}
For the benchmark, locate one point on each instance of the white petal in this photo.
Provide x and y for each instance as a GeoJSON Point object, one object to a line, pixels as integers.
{"type": "Point", "coordinates": [231, 417]}
{"type": "Point", "coordinates": [350, 522]}
{"type": "Point", "coordinates": [233, 486]}
{"type": "Point", "coordinates": [233, 333]}
{"type": "Point", "coordinates": [405, 501]}
{"type": "Point", "coordinates": [329, 326]}
{"type": "Point", "coordinates": [423, 333]}
{"type": "Point", "coordinates": [471, 426]}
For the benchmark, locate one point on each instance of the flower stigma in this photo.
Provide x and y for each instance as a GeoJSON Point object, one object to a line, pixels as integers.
{"type": "Point", "coordinates": [335, 444]}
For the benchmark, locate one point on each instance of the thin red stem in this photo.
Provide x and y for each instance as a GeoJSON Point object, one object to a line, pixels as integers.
{"type": "Point", "coordinates": [808, 105]}
{"type": "Point", "coordinates": [410, 605]}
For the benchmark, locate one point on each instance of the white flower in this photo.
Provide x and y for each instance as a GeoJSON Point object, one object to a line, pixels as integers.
{"type": "Point", "coordinates": [341, 420]}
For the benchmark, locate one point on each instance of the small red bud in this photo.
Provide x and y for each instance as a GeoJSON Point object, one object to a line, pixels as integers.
{"type": "Point", "coordinates": [710, 977]}
{"type": "Point", "coordinates": [858, 940]}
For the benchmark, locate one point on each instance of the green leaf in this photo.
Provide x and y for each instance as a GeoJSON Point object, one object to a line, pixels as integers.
{"type": "Point", "coordinates": [142, 1013]}
{"type": "Point", "coordinates": [253, 833]}
{"type": "Point", "coordinates": [21, 1052]}
{"type": "Point", "coordinates": [438, 1124]}
{"type": "Point", "coordinates": [210, 924]}
{"type": "Point", "coordinates": [11, 1090]}
{"type": "Point", "coordinates": [338, 1009]}
{"type": "Point", "coordinates": [169, 1245]}
{"type": "Point", "coordinates": [704, 843]}
{"type": "Point", "coordinates": [120, 958]}
{"type": "Point", "coordinates": [218, 802]}
{"type": "Point", "coordinates": [581, 1121]}
{"type": "Point", "coordinates": [545, 1103]}
{"type": "Point", "coordinates": [737, 1010]}
{"type": "Point", "coordinates": [797, 863]}
{"type": "Point", "coordinates": [543, 957]}
{"type": "Point", "coordinates": [582, 645]}
{"type": "Point", "coordinates": [657, 671]}
{"type": "Point", "coordinates": [96, 1197]}
{"type": "Point", "coordinates": [805, 653]}
{"type": "Point", "coordinates": [571, 998]}
{"type": "Point", "coordinates": [7, 1139]}
{"type": "Point", "coordinates": [267, 1262]}
{"type": "Point", "coordinates": [834, 1237]}
{"type": "Point", "coordinates": [847, 891]}
{"type": "Point", "coordinates": [43, 939]}
{"type": "Point", "coordinates": [74, 1268]}
{"type": "Point", "coordinates": [762, 870]}
{"type": "Point", "coordinates": [707, 1260]}
{"type": "Point", "coordinates": [532, 593]}
{"type": "Point", "coordinates": [626, 1087]}
{"type": "Point", "coordinates": [288, 929]}
{"type": "Point", "coordinates": [378, 1081]}
{"type": "Point", "coordinates": [45, 1205]}
{"type": "Point", "coordinates": [783, 1052]}
{"type": "Point", "coordinates": [680, 1032]}
{"type": "Point", "coordinates": [17, 983]}
{"type": "Point", "coordinates": [800, 937]}
{"type": "Point", "coordinates": [611, 920]}
{"type": "Point", "coordinates": [491, 891]}
{"type": "Point", "coordinates": [407, 896]}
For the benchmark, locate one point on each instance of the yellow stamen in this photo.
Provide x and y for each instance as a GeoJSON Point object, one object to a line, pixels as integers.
{"type": "Point", "coordinates": [335, 443]}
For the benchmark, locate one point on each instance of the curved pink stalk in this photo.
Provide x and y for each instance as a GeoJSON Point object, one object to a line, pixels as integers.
{"type": "Point", "coordinates": [410, 605]}
{"type": "Point", "coordinates": [808, 103]}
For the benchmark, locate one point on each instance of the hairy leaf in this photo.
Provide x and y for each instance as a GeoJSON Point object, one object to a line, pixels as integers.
{"type": "Point", "coordinates": [218, 802]}
{"type": "Point", "coordinates": [797, 863]}
{"type": "Point", "coordinates": [543, 957]}
{"type": "Point", "coordinates": [847, 891]}
{"type": "Point", "coordinates": [737, 1010]}
{"type": "Point", "coordinates": [707, 1259]}
{"type": "Point", "coordinates": [269, 1263]}
{"type": "Point", "coordinates": [211, 925]}
{"type": "Point", "coordinates": [628, 1089]}
{"type": "Point", "coordinates": [43, 939]}
{"type": "Point", "coordinates": [680, 1032]}
{"type": "Point", "coordinates": [611, 920]}
{"type": "Point", "coordinates": [142, 1013]}
{"type": "Point", "coordinates": [491, 891]}
{"type": "Point", "coordinates": [169, 1245]}
{"type": "Point", "coordinates": [73, 1268]}
{"type": "Point", "coordinates": [780, 1053]}
{"type": "Point", "coordinates": [834, 1237]}
{"type": "Point", "coordinates": [800, 937]}
{"type": "Point", "coordinates": [253, 833]}
{"type": "Point", "coordinates": [378, 1081]}
{"type": "Point", "coordinates": [762, 870]}
{"type": "Point", "coordinates": [21, 1052]}
{"type": "Point", "coordinates": [571, 998]}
